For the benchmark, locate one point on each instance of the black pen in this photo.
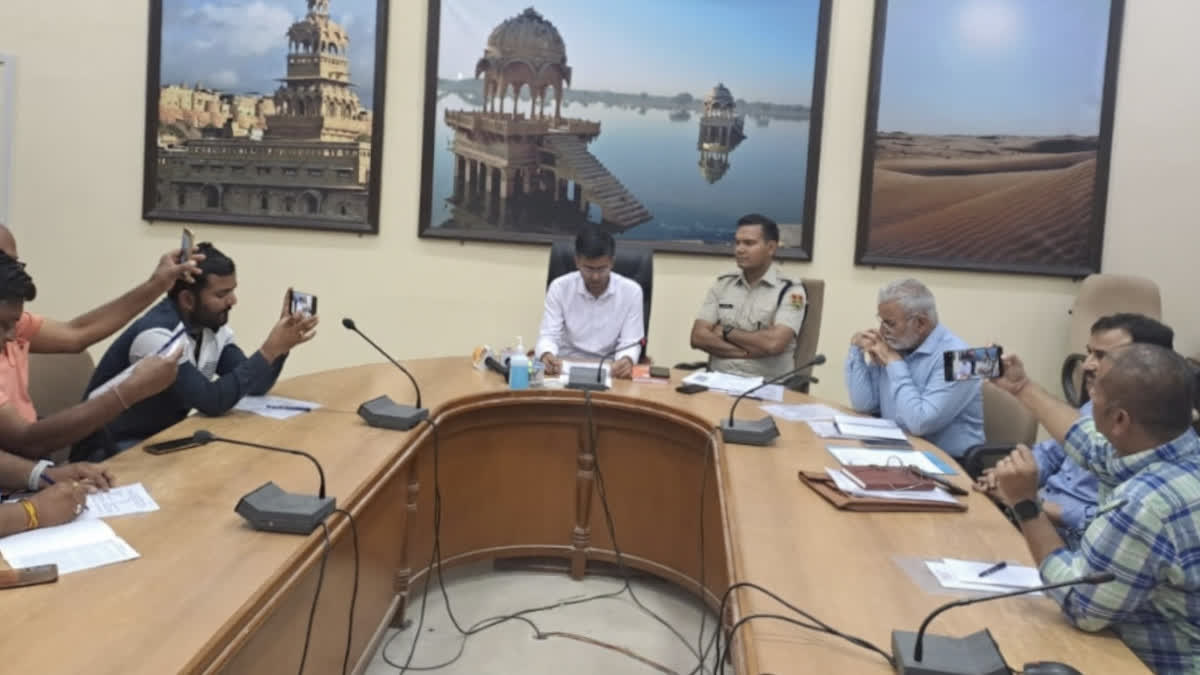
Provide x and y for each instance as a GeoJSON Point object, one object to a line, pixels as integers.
{"type": "Point", "coordinates": [289, 407]}
{"type": "Point", "coordinates": [993, 569]}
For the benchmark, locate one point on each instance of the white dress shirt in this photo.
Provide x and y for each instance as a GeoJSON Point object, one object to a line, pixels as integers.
{"type": "Point", "coordinates": [579, 325]}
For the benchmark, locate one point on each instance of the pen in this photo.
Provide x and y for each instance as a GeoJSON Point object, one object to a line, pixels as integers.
{"type": "Point", "coordinates": [163, 349]}
{"type": "Point", "coordinates": [993, 569]}
{"type": "Point", "coordinates": [48, 479]}
{"type": "Point", "coordinates": [289, 407]}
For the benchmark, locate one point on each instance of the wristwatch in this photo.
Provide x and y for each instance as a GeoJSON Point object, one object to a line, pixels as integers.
{"type": "Point", "coordinates": [1027, 510]}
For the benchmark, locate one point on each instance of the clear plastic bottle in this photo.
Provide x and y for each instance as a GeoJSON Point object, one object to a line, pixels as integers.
{"type": "Point", "coordinates": [518, 367]}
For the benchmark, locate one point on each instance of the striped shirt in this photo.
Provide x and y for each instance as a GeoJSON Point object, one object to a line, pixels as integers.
{"type": "Point", "coordinates": [1147, 533]}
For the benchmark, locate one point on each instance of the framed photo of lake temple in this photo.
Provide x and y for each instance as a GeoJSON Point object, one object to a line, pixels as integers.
{"type": "Point", "coordinates": [988, 135]}
{"type": "Point", "coordinates": [265, 114]}
{"type": "Point", "coordinates": [664, 122]}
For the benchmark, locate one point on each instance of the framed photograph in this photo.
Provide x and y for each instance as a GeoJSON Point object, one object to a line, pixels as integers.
{"type": "Point", "coordinates": [664, 122]}
{"type": "Point", "coordinates": [988, 135]}
{"type": "Point", "coordinates": [265, 114]}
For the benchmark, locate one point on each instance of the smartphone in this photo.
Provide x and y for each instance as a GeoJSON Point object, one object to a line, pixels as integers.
{"type": "Point", "coordinates": [691, 388]}
{"type": "Point", "coordinates": [973, 364]}
{"type": "Point", "coordinates": [185, 244]}
{"type": "Point", "coordinates": [174, 445]}
{"type": "Point", "coordinates": [662, 372]}
{"type": "Point", "coordinates": [302, 303]}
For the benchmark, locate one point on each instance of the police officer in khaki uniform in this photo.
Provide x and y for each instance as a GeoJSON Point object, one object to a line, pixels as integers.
{"type": "Point", "coordinates": [749, 321]}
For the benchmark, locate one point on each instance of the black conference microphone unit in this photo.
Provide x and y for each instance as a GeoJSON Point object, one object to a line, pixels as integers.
{"type": "Point", "coordinates": [383, 411]}
{"type": "Point", "coordinates": [269, 507]}
{"type": "Point", "coordinates": [763, 431]}
{"type": "Point", "coordinates": [593, 378]}
{"type": "Point", "coordinates": [975, 654]}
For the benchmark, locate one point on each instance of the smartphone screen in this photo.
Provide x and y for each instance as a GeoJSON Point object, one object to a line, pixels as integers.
{"type": "Point", "coordinates": [185, 244]}
{"type": "Point", "coordinates": [176, 445]}
{"type": "Point", "coordinates": [975, 363]}
{"type": "Point", "coordinates": [303, 303]}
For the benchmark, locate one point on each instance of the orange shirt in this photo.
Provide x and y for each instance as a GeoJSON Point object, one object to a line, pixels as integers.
{"type": "Point", "coordinates": [14, 367]}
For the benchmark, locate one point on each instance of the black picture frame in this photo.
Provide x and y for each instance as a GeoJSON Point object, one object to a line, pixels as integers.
{"type": "Point", "coordinates": [1077, 265]}
{"type": "Point", "coordinates": [801, 252]}
{"type": "Point", "coordinates": [317, 176]}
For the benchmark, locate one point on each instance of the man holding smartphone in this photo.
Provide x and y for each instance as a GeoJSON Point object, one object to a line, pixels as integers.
{"type": "Point", "coordinates": [214, 373]}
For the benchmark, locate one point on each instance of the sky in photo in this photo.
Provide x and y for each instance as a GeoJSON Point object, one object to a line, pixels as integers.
{"type": "Point", "coordinates": [1026, 67]}
{"type": "Point", "coordinates": [763, 50]}
{"type": "Point", "coordinates": [241, 47]}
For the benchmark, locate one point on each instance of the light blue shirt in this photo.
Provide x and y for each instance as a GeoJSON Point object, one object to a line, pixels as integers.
{"type": "Point", "coordinates": [914, 393]}
{"type": "Point", "coordinates": [1066, 483]}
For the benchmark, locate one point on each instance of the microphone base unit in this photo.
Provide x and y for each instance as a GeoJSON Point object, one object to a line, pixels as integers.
{"type": "Point", "coordinates": [271, 509]}
{"type": "Point", "coordinates": [749, 432]}
{"type": "Point", "coordinates": [975, 654]}
{"type": "Point", "coordinates": [589, 379]}
{"type": "Point", "coordinates": [385, 413]}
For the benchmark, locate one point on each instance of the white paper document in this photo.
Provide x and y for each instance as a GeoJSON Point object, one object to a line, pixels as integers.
{"type": "Point", "coordinates": [769, 392]}
{"type": "Point", "coordinates": [803, 412]}
{"type": "Point", "coordinates": [964, 575]}
{"type": "Point", "coordinates": [848, 486]}
{"type": "Point", "coordinates": [275, 407]}
{"type": "Point", "coordinates": [730, 384]}
{"type": "Point", "coordinates": [868, 427]}
{"type": "Point", "coordinates": [849, 456]}
{"type": "Point", "coordinates": [79, 545]}
{"type": "Point", "coordinates": [824, 429]}
{"type": "Point", "coordinates": [119, 501]}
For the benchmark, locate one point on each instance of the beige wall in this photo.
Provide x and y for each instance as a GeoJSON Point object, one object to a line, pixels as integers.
{"type": "Point", "coordinates": [77, 192]}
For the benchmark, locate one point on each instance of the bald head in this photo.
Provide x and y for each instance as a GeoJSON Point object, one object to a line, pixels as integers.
{"type": "Point", "coordinates": [1155, 386]}
{"type": "Point", "coordinates": [8, 243]}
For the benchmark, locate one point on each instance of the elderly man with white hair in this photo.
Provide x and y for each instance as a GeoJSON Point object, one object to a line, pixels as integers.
{"type": "Point", "coordinates": [897, 371]}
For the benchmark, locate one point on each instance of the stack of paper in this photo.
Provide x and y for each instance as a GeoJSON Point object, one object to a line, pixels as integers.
{"type": "Point", "coordinates": [119, 501]}
{"type": "Point", "coordinates": [964, 575]}
{"type": "Point", "coordinates": [730, 384]}
{"type": "Point", "coordinates": [78, 545]}
{"type": "Point", "coordinates": [802, 412]}
{"type": "Point", "coordinates": [847, 485]}
{"type": "Point", "coordinates": [275, 407]}
{"type": "Point", "coordinates": [850, 456]}
{"type": "Point", "coordinates": [868, 428]}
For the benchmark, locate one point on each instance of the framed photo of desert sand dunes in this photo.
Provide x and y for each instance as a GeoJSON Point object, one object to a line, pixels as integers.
{"type": "Point", "coordinates": [988, 135]}
{"type": "Point", "coordinates": [266, 113]}
{"type": "Point", "coordinates": [662, 122]}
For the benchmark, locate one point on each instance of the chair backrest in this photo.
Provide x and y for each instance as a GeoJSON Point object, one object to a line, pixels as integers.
{"type": "Point", "coordinates": [806, 341]}
{"type": "Point", "coordinates": [631, 261]}
{"type": "Point", "coordinates": [1104, 294]}
{"type": "Point", "coordinates": [57, 381]}
{"type": "Point", "coordinates": [1005, 420]}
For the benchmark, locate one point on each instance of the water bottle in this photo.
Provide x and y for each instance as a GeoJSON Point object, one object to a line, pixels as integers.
{"type": "Point", "coordinates": [518, 368]}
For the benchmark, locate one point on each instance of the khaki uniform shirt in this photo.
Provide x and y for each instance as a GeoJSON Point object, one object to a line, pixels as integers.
{"type": "Point", "coordinates": [732, 302]}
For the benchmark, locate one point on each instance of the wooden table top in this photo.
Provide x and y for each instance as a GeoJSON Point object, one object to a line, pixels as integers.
{"type": "Point", "coordinates": [202, 567]}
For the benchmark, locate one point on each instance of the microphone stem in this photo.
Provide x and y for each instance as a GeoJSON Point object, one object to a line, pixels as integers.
{"type": "Point", "coordinates": [320, 471]}
{"type": "Point", "coordinates": [394, 363]}
{"type": "Point", "coordinates": [773, 380]}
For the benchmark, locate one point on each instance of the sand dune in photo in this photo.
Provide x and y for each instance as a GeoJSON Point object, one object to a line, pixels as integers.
{"type": "Point", "coordinates": [992, 199]}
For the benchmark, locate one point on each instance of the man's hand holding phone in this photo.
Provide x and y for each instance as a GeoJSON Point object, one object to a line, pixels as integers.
{"type": "Point", "coordinates": [291, 330]}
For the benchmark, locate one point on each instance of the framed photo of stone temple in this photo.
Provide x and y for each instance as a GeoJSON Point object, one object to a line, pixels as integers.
{"type": "Point", "coordinates": [265, 114]}
{"type": "Point", "coordinates": [662, 121]}
{"type": "Point", "coordinates": [988, 135]}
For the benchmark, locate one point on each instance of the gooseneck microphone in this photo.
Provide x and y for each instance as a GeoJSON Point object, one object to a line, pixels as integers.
{"type": "Point", "coordinates": [269, 507]}
{"type": "Point", "coordinates": [585, 378]}
{"type": "Point", "coordinates": [976, 653]}
{"type": "Point", "coordinates": [382, 411]}
{"type": "Point", "coordinates": [763, 431]}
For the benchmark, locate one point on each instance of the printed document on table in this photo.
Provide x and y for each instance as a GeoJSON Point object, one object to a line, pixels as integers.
{"type": "Point", "coordinates": [119, 501]}
{"type": "Point", "coordinates": [79, 545]}
{"type": "Point", "coordinates": [803, 412]}
{"type": "Point", "coordinates": [868, 427]}
{"type": "Point", "coordinates": [1012, 576]}
{"type": "Point", "coordinates": [730, 384]}
{"type": "Point", "coordinates": [849, 456]}
{"type": "Point", "coordinates": [275, 407]}
{"type": "Point", "coordinates": [949, 577]}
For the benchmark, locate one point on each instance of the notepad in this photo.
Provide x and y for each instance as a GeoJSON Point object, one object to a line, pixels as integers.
{"type": "Point", "coordinates": [119, 501]}
{"type": "Point", "coordinates": [79, 545]}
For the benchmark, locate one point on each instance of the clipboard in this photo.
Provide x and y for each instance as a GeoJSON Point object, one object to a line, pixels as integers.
{"type": "Point", "coordinates": [822, 484]}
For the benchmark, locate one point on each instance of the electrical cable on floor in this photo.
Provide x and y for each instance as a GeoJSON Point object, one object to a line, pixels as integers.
{"type": "Point", "coordinates": [354, 592]}
{"type": "Point", "coordinates": [312, 612]}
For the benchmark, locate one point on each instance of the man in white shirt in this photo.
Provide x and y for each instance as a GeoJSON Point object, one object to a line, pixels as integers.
{"type": "Point", "coordinates": [592, 311]}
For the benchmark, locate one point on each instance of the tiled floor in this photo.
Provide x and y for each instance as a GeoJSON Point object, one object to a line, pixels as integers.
{"type": "Point", "coordinates": [477, 592]}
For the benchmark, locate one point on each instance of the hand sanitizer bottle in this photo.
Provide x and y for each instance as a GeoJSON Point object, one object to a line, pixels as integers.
{"type": "Point", "coordinates": [518, 368]}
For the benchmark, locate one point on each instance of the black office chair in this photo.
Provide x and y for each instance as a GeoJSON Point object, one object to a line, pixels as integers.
{"type": "Point", "coordinates": [632, 261]}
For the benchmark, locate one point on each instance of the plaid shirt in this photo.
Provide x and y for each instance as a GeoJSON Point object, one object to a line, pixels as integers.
{"type": "Point", "coordinates": [1147, 533]}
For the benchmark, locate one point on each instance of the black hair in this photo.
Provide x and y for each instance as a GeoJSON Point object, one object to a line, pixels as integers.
{"type": "Point", "coordinates": [214, 263]}
{"type": "Point", "coordinates": [1155, 386]}
{"type": "Point", "coordinates": [593, 242]}
{"type": "Point", "coordinates": [15, 283]}
{"type": "Point", "coordinates": [769, 227]}
{"type": "Point", "coordinates": [1141, 328]}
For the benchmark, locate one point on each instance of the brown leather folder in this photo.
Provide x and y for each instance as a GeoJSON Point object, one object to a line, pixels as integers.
{"type": "Point", "coordinates": [823, 485]}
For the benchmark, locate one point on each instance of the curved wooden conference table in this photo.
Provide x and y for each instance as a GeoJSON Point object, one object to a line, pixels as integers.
{"type": "Point", "coordinates": [209, 594]}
